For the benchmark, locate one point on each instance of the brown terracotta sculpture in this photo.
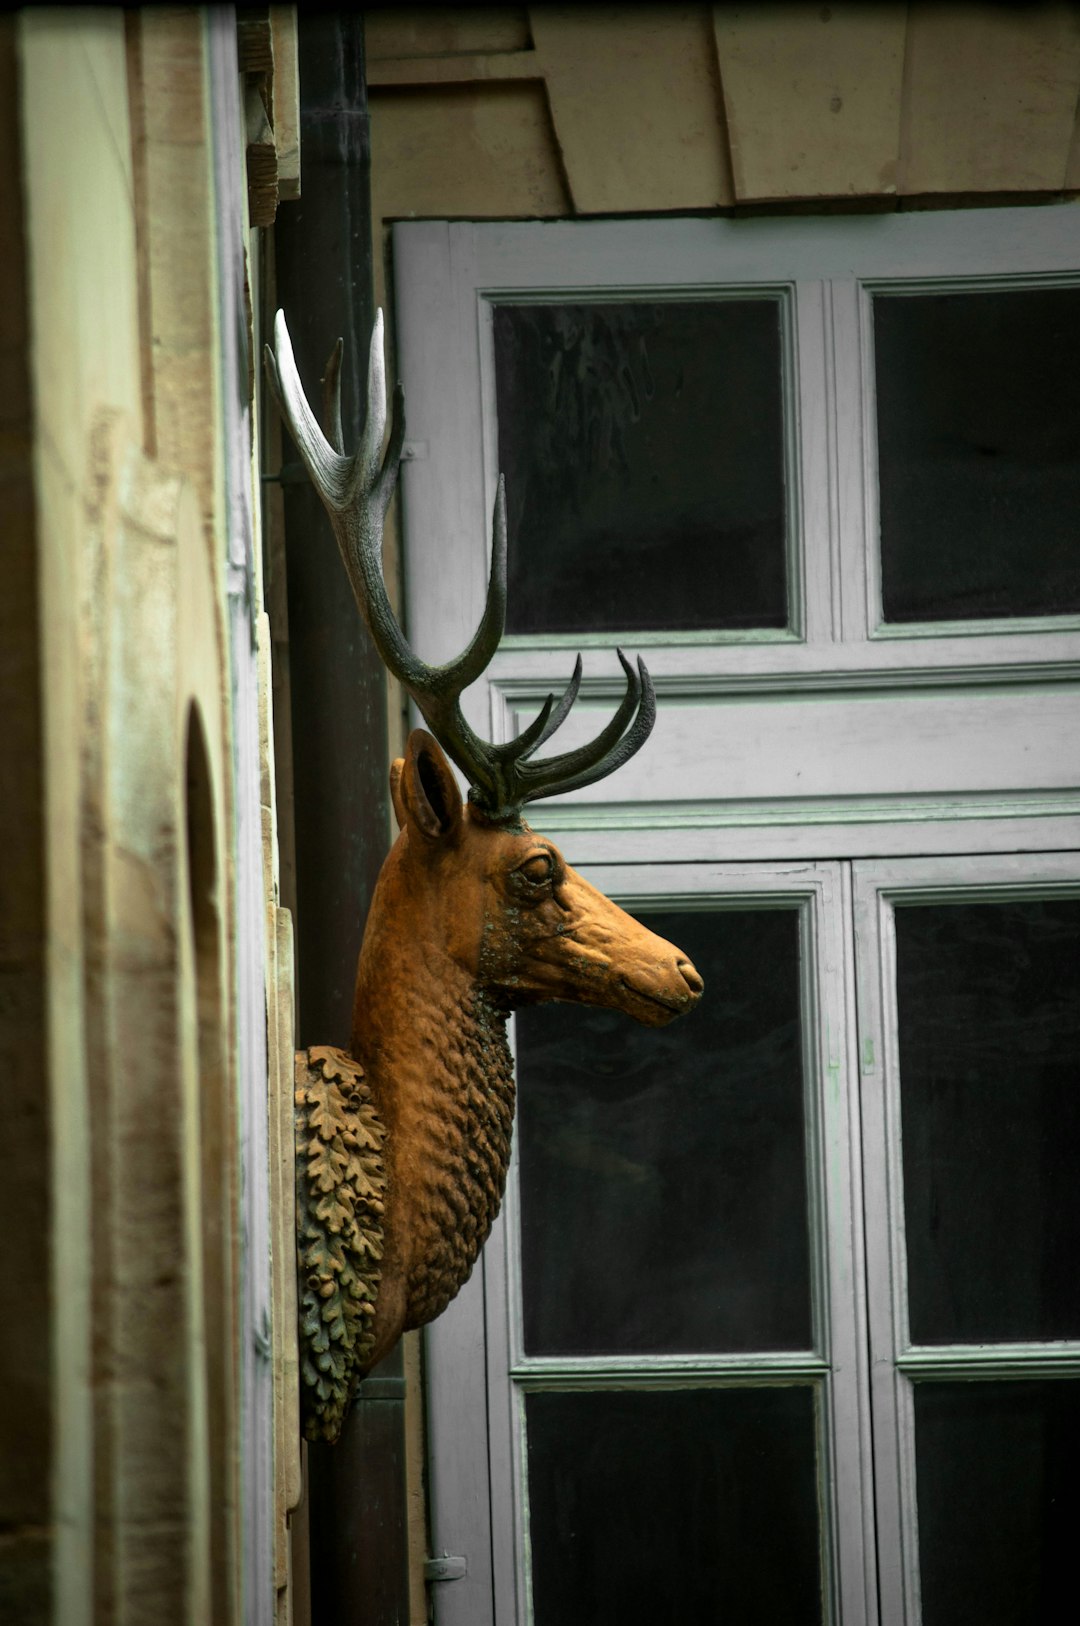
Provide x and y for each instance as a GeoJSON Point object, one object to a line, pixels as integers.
{"type": "Point", "coordinates": [403, 1143]}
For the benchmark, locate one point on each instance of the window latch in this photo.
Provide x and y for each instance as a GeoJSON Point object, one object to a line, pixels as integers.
{"type": "Point", "coordinates": [445, 1568]}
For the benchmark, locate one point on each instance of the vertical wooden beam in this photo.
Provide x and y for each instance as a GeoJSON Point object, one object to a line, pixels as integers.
{"type": "Point", "coordinates": [323, 269]}
{"type": "Point", "coordinates": [286, 101]}
{"type": "Point", "coordinates": [323, 261]}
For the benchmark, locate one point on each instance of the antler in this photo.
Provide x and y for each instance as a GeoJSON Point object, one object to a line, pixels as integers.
{"type": "Point", "coordinates": [356, 493]}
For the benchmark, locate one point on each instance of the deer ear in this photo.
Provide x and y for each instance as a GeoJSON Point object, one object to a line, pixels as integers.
{"type": "Point", "coordinates": [396, 768]}
{"type": "Point", "coordinates": [428, 789]}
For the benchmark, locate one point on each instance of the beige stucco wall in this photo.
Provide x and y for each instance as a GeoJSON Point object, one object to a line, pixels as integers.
{"type": "Point", "coordinates": [120, 1429]}
{"type": "Point", "coordinates": [69, 369]}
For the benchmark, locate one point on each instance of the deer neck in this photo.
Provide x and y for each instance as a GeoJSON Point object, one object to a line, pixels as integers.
{"type": "Point", "coordinates": [434, 1049]}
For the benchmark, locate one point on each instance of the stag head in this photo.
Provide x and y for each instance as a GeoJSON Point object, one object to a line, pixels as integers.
{"type": "Point", "coordinates": [408, 1136]}
{"type": "Point", "coordinates": [505, 913]}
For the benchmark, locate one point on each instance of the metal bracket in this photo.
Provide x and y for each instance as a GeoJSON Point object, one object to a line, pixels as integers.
{"type": "Point", "coordinates": [290, 474]}
{"type": "Point", "coordinates": [445, 1568]}
{"type": "Point", "coordinates": [380, 1389]}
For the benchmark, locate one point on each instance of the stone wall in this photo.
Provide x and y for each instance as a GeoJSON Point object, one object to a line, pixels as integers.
{"type": "Point", "coordinates": [143, 944]}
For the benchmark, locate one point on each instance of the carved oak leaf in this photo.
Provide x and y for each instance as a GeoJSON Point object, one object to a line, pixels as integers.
{"type": "Point", "coordinates": [362, 1134]}
{"type": "Point", "coordinates": [326, 1113]}
{"type": "Point", "coordinates": [341, 1183]}
{"type": "Point", "coordinates": [327, 1165]}
{"type": "Point", "coordinates": [333, 1064]}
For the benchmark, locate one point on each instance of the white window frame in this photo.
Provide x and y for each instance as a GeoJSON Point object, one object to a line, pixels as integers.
{"type": "Point", "coordinates": [838, 666]}
{"type": "Point", "coordinates": [478, 1373]}
{"type": "Point", "coordinates": [483, 1330]}
{"type": "Point", "coordinates": [896, 1363]}
{"type": "Point", "coordinates": [938, 741]}
{"type": "Point", "coordinates": [448, 276]}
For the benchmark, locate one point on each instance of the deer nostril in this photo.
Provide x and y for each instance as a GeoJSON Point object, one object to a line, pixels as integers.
{"type": "Point", "coordinates": [693, 981]}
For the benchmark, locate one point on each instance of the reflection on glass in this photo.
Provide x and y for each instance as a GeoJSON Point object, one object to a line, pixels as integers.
{"type": "Point", "coordinates": [663, 1172]}
{"type": "Point", "coordinates": [999, 1501]}
{"type": "Point", "coordinates": [989, 1023]}
{"type": "Point", "coordinates": [653, 1508]}
{"type": "Point", "coordinates": [643, 450]}
{"type": "Point", "coordinates": [978, 406]}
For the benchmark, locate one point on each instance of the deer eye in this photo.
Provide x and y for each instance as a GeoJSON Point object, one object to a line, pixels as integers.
{"type": "Point", "coordinates": [537, 869]}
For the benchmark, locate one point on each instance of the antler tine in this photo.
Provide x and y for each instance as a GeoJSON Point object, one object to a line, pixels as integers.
{"type": "Point", "coordinates": [355, 490]}
{"type": "Point", "coordinates": [608, 751]}
{"type": "Point", "coordinates": [542, 726]}
{"type": "Point", "coordinates": [552, 769]}
{"type": "Point", "coordinates": [369, 452]}
{"type": "Point", "coordinates": [356, 493]}
{"type": "Point", "coordinates": [468, 666]}
{"type": "Point", "coordinates": [331, 384]}
{"type": "Point", "coordinates": [328, 469]}
{"type": "Point", "coordinates": [437, 689]}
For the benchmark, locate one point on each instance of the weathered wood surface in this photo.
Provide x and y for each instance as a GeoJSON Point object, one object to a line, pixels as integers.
{"type": "Point", "coordinates": [812, 98]}
{"type": "Point", "coordinates": [656, 109]}
{"type": "Point", "coordinates": [992, 98]}
{"type": "Point", "coordinates": [462, 151]}
{"type": "Point", "coordinates": [620, 129]}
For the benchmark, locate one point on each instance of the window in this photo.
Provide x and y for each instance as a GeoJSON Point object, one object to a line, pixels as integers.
{"type": "Point", "coordinates": [709, 1323]}
{"type": "Point", "coordinates": [776, 1291]}
{"type": "Point", "coordinates": [978, 421]}
{"type": "Point", "coordinates": [970, 1031]}
{"type": "Point", "coordinates": [618, 450]}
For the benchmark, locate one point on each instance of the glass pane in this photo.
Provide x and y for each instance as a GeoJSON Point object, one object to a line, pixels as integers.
{"type": "Point", "coordinates": [989, 1021]}
{"type": "Point", "coordinates": [978, 405]}
{"type": "Point", "coordinates": [999, 1501]}
{"type": "Point", "coordinates": [679, 1154]}
{"type": "Point", "coordinates": [643, 450]}
{"type": "Point", "coordinates": [649, 1509]}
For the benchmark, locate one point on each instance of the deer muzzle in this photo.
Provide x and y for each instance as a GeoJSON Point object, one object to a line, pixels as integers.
{"type": "Point", "coordinates": [657, 982]}
{"type": "Point", "coordinates": [611, 959]}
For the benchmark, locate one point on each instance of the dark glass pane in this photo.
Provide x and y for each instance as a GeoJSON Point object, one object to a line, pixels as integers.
{"type": "Point", "coordinates": [978, 404]}
{"type": "Point", "coordinates": [651, 1509]}
{"type": "Point", "coordinates": [999, 1502]}
{"type": "Point", "coordinates": [642, 446]}
{"type": "Point", "coordinates": [663, 1172]}
{"type": "Point", "coordinates": [989, 1008]}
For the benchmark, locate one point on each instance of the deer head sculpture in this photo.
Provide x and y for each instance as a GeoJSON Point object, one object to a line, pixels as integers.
{"type": "Point", "coordinates": [403, 1142]}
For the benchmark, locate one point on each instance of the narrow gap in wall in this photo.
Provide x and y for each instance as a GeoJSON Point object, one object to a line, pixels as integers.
{"type": "Point", "coordinates": [137, 107]}
{"type": "Point", "coordinates": [214, 1161]}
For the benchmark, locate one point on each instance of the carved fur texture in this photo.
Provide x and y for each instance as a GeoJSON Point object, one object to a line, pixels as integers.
{"type": "Point", "coordinates": [461, 1148]}
{"type": "Point", "coordinates": [340, 1190]}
